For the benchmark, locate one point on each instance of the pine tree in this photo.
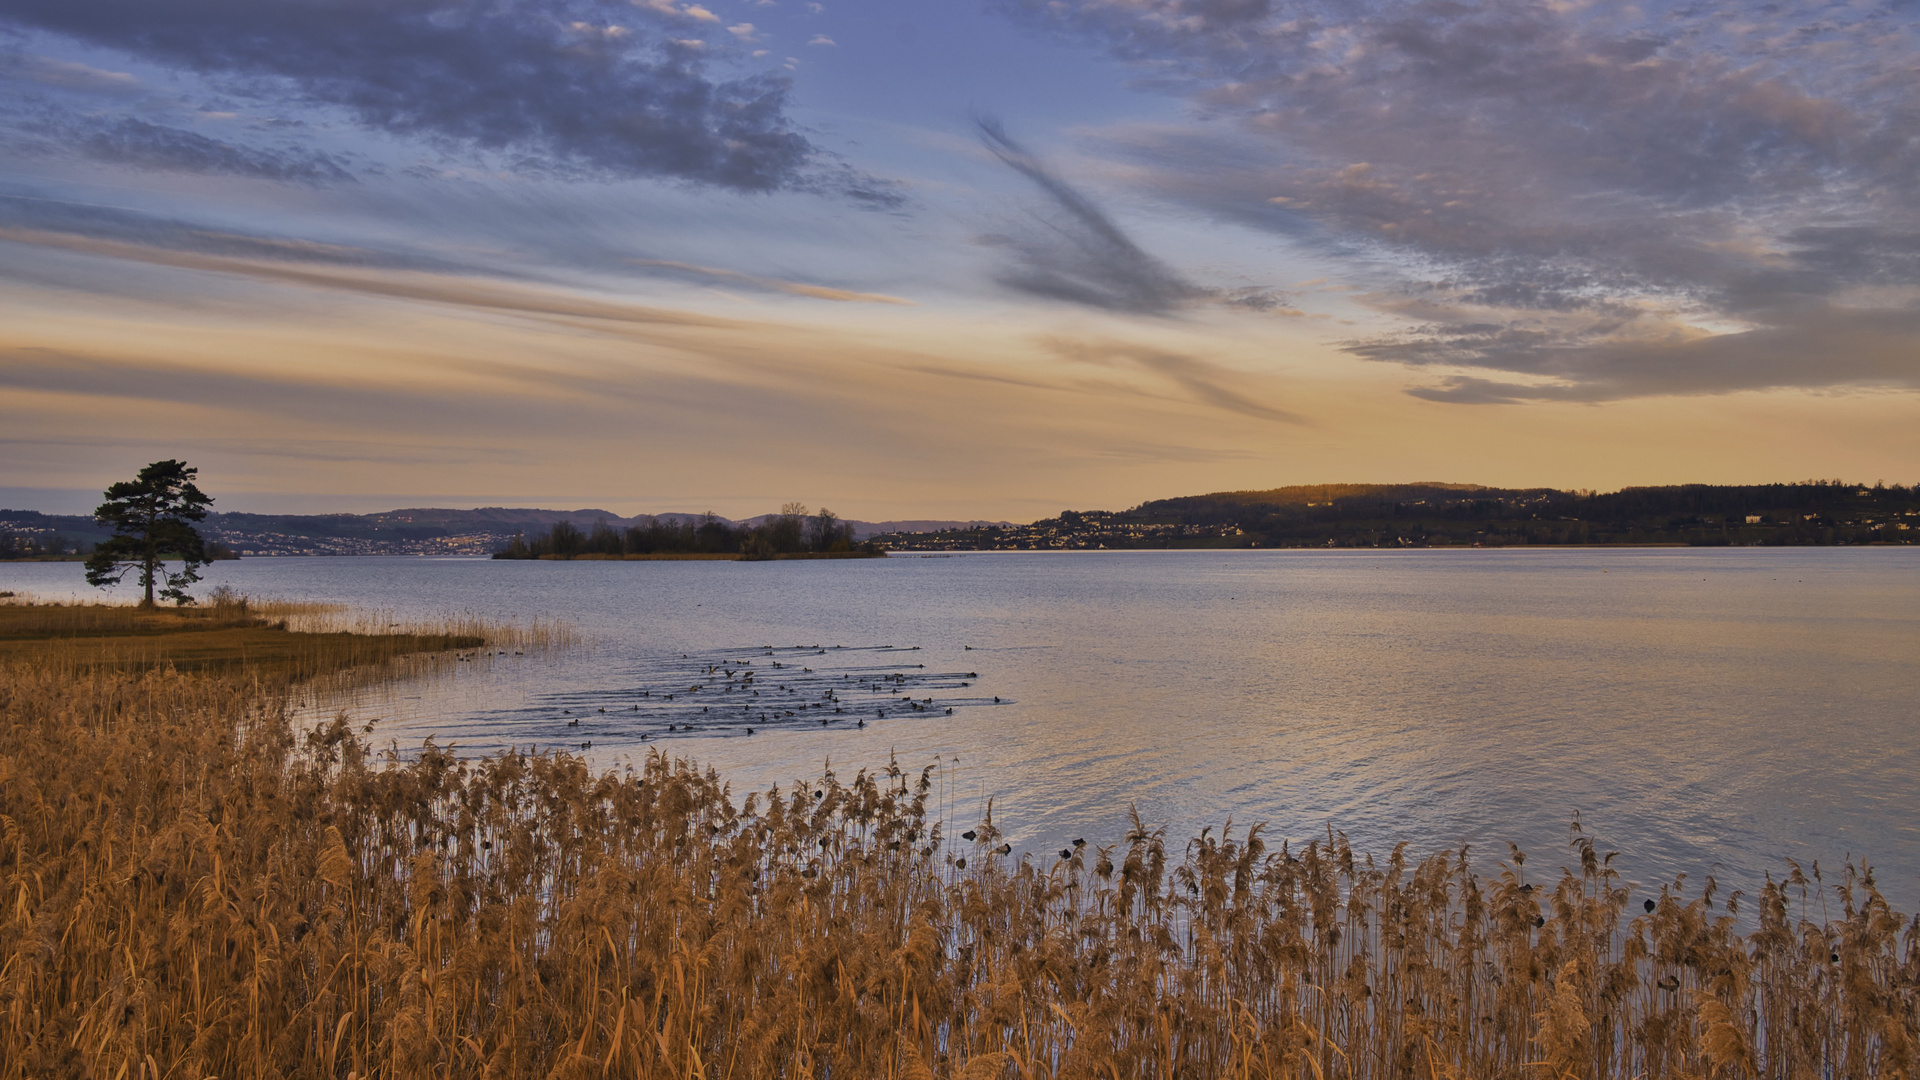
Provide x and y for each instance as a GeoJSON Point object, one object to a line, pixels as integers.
{"type": "Point", "coordinates": [151, 517]}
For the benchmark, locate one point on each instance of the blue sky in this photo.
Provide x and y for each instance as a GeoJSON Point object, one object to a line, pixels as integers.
{"type": "Point", "coordinates": [950, 259]}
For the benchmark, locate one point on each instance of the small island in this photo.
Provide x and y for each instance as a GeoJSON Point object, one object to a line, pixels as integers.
{"type": "Point", "coordinates": [790, 534]}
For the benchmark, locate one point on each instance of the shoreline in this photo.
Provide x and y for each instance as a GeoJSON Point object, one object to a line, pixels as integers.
{"type": "Point", "coordinates": [702, 556]}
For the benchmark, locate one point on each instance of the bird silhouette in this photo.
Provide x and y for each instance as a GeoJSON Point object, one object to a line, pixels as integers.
{"type": "Point", "coordinates": [968, 835]}
{"type": "Point", "coordinates": [1005, 849]}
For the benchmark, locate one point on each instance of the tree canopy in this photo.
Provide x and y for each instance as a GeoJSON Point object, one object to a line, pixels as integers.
{"type": "Point", "coordinates": [152, 519]}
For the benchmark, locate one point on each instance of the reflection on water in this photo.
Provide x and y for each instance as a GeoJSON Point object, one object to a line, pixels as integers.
{"type": "Point", "coordinates": [1706, 711]}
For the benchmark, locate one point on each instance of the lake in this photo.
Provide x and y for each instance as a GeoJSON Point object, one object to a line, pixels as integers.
{"type": "Point", "coordinates": [1706, 711]}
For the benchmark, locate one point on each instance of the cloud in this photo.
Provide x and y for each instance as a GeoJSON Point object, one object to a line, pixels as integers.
{"type": "Point", "coordinates": [1203, 381]}
{"type": "Point", "coordinates": [685, 11]}
{"type": "Point", "coordinates": [821, 39]}
{"type": "Point", "coordinates": [1080, 255]}
{"type": "Point", "coordinates": [296, 265]}
{"type": "Point", "coordinates": [709, 275]}
{"type": "Point", "coordinates": [1822, 346]}
{"type": "Point", "coordinates": [67, 75]}
{"type": "Point", "coordinates": [60, 223]}
{"type": "Point", "coordinates": [142, 145]}
{"type": "Point", "coordinates": [1597, 181]}
{"type": "Point", "coordinates": [514, 78]}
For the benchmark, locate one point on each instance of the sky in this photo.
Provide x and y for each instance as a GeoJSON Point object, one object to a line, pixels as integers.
{"type": "Point", "coordinates": [945, 258]}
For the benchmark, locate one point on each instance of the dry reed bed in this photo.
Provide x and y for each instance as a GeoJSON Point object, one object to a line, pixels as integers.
{"type": "Point", "coordinates": [325, 618]}
{"type": "Point", "coordinates": [188, 888]}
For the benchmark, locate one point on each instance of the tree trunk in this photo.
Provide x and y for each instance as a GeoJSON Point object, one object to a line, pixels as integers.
{"type": "Point", "coordinates": [150, 566]}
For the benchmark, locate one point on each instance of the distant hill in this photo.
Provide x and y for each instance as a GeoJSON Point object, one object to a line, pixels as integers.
{"type": "Point", "coordinates": [412, 531]}
{"type": "Point", "coordinates": [1433, 514]}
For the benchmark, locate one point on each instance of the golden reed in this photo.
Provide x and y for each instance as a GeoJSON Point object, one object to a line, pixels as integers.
{"type": "Point", "coordinates": [190, 888]}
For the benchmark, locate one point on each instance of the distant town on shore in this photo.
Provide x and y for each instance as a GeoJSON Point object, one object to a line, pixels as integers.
{"type": "Point", "coordinates": [1812, 512]}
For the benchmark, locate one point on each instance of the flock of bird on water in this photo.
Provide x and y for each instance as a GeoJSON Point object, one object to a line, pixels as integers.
{"type": "Point", "coordinates": [738, 692]}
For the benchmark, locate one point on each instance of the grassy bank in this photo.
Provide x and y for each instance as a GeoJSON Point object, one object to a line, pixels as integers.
{"type": "Point", "coordinates": [229, 637]}
{"type": "Point", "coordinates": [190, 887]}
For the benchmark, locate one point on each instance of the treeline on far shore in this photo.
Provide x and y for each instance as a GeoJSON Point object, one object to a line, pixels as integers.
{"type": "Point", "coordinates": [792, 533]}
{"type": "Point", "coordinates": [51, 546]}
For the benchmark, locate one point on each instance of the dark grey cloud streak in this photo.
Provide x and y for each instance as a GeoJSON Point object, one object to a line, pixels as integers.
{"type": "Point", "coordinates": [1080, 256]}
{"type": "Point", "coordinates": [1077, 253]}
{"type": "Point", "coordinates": [1582, 202]}
{"type": "Point", "coordinates": [550, 86]}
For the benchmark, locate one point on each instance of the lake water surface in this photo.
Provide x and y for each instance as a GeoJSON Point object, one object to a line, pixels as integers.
{"type": "Point", "coordinates": [1703, 711]}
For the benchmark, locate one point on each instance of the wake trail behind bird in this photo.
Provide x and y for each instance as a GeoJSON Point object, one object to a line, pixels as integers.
{"type": "Point", "coordinates": [745, 690]}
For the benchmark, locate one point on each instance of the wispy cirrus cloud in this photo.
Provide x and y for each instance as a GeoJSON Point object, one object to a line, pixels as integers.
{"type": "Point", "coordinates": [1078, 254]}
{"type": "Point", "coordinates": [306, 265]}
{"type": "Point", "coordinates": [1600, 200]}
{"type": "Point", "coordinates": [1199, 380]}
{"type": "Point", "coordinates": [1082, 257]}
{"type": "Point", "coordinates": [715, 276]}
